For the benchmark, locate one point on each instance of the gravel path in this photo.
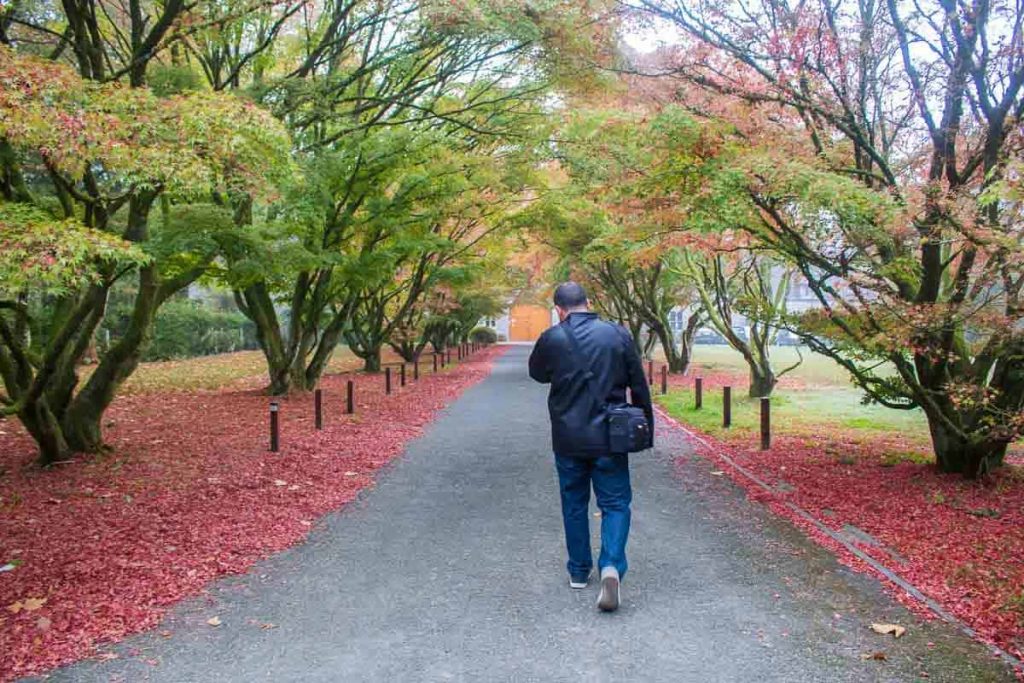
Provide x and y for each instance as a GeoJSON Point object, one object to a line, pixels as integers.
{"type": "Point", "coordinates": [452, 569]}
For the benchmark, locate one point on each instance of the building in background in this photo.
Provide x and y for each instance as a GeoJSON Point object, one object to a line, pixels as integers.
{"type": "Point", "coordinates": [526, 316]}
{"type": "Point", "coordinates": [521, 322]}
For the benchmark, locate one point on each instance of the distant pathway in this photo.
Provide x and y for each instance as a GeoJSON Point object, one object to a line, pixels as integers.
{"type": "Point", "coordinates": [451, 569]}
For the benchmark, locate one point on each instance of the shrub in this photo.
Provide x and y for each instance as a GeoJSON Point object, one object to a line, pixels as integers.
{"type": "Point", "coordinates": [483, 335]}
{"type": "Point", "coordinates": [184, 329]}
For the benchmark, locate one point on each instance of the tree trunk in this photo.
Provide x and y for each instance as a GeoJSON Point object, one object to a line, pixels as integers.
{"type": "Point", "coordinates": [762, 381]}
{"type": "Point", "coordinates": [280, 379]}
{"type": "Point", "coordinates": [408, 349]}
{"type": "Point", "coordinates": [371, 360]}
{"type": "Point", "coordinates": [325, 349]}
{"type": "Point", "coordinates": [956, 455]}
{"type": "Point", "coordinates": [82, 421]}
{"type": "Point", "coordinates": [257, 305]}
{"type": "Point", "coordinates": [12, 182]}
{"type": "Point", "coordinates": [44, 427]}
{"type": "Point", "coordinates": [686, 341]}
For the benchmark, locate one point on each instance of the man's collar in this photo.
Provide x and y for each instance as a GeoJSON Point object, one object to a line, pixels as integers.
{"type": "Point", "coordinates": [587, 314]}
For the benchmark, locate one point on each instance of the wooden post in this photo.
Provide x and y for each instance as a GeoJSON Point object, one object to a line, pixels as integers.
{"type": "Point", "coordinates": [318, 408]}
{"type": "Point", "coordinates": [387, 380]}
{"type": "Point", "coordinates": [350, 396]}
{"type": "Point", "coordinates": [698, 392]}
{"type": "Point", "coordinates": [664, 380]}
{"type": "Point", "coordinates": [275, 432]}
{"type": "Point", "coordinates": [448, 361]}
{"type": "Point", "coordinates": [416, 370]}
{"type": "Point", "coordinates": [766, 423]}
{"type": "Point", "coordinates": [726, 406]}
{"type": "Point", "coordinates": [435, 362]}
{"type": "Point", "coordinates": [650, 372]}
{"type": "Point", "coordinates": [401, 376]}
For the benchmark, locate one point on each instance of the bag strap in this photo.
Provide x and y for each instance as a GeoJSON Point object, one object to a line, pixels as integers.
{"type": "Point", "coordinates": [566, 328]}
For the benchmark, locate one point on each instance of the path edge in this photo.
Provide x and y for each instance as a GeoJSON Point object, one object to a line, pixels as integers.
{"type": "Point", "coordinates": [931, 605]}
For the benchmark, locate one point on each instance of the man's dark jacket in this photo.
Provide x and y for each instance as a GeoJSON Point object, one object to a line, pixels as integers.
{"type": "Point", "coordinates": [577, 422]}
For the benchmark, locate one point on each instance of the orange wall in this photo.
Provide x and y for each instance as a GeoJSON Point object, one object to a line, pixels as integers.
{"type": "Point", "coordinates": [526, 322]}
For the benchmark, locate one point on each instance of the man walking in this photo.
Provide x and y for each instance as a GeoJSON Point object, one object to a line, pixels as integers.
{"type": "Point", "coordinates": [590, 359]}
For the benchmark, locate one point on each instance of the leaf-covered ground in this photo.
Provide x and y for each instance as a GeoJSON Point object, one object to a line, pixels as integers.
{"type": "Point", "coordinates": [960, 542]}
{"type": "Point", "coordinates": [238, 370]}
{"type": "Point", "coordinates": [98, 548]}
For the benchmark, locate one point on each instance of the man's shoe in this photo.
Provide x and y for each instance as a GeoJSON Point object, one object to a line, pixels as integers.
{"type": "Point", "coordinates": [608, 600]}
{"type": "Point", "coordinates": [579, 582]}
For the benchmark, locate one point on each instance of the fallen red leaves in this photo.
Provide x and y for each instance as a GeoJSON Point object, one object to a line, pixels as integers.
{"type": "Point", "coordinates": [960, 542]}
{"type": "Point", "coordinates": [188, 493]}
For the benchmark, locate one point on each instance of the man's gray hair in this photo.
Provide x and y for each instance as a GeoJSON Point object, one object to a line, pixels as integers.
{"type": "Point", "coordinates": [570, 295]}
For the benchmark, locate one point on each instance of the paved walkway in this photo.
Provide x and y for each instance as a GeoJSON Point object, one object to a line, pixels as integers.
{"type": "Point", "coordinates": [451, 569]}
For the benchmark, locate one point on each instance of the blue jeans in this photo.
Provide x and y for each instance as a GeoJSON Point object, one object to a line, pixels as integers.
{"type": "Point", "coordinates": [609, 475]}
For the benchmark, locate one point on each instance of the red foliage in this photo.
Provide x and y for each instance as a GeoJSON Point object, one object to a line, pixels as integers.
{"type": "Point", "coordinates": [188, 493]}
{"type": "Point", "coordinates": [960, 542]}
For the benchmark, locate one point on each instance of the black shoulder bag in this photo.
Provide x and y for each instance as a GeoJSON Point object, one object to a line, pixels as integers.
{"type": "Point", "coordinates": [628, 430]}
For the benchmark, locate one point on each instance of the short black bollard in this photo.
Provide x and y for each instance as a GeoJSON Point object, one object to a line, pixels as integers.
{"type": "Point", "coordinates": [416, 370]}
{"type": "Point", "coordinates": [664, 379]}
{"type": "Point", "coordinates": [458, 352]}
{"type": "Point", "coordinates": [350, 397]}
{"type": "Point", "coordinates": [726, 406]}
{"type": "Point", "coordinates": [318, 408]}
{"type": "Point", "coordinates": [698, 392]}
{"type": "Point", "coordinates": [401, 376]}
{"type": "Point", "coordinates": [766, 423]}
{"type": "Point", "coordinates": [387, 380]}
{"type": "Point", "coordinates": [650, 372]}
{"type": "Point", "coordinates": [435, 362]}
{"type": "Point", "coordinates": [275, 435]}
{"type": "Point", "coordinates": [448, 361]}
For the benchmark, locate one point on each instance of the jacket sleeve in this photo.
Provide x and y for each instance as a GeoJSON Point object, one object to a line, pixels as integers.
{"type": "Point", "coordinates": [640, 392]}
{"type": "Point", "coordinates": [540, 368]}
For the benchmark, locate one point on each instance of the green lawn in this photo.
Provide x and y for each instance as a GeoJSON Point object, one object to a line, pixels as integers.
{"type": "Point", "coordinates": [822, 399]}
{"type": "Point", "coordinates": [796, 411]}
{"type": "Point", "coordinates": [815, 369]}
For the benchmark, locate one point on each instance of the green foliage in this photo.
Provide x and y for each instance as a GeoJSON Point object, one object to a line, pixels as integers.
{"type": "Point", "coordinates": [185, 328]}
{"type": "Point", "coordinates": [483, 335]}
{"type": "Point", "coordinates": [173, 79]}
{"type": "Point", "coordinates": [50, 256]}
{"type": "Point", "coordinates": [188, 143]}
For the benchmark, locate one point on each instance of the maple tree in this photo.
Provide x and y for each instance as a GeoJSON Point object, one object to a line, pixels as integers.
{"type": "Point", "coordinates": [109, 155]}
{"type": "Point", "coordinates": [669, 238]}
{"type": "Point", "coordinates": [453, 312]}
{"type": "Point", "coordinates": [605, 227]}
{"type": "Point", "coordinates": [436, 226]}
{"type": "Point", "coordinates": [728, 282]}
{"type": "Point", "coordinates": [375, 95]}
{"type": "Point", "coordinates": [640, 291]}
{"type": "Point", "coordinates": [891, 134]}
